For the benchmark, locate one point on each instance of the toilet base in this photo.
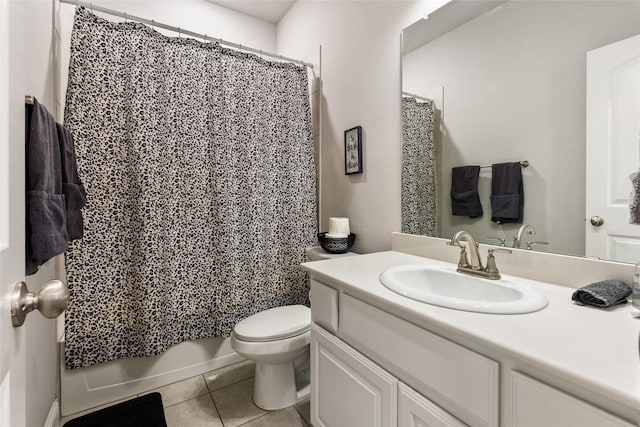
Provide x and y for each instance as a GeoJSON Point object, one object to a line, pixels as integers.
{"type": "Point", "coordinates": [278, 386]}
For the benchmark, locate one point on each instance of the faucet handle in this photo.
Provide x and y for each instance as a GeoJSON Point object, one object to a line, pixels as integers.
{"type": "Point", "coordinates": [530, 244]}
{"type": "Point", "coordinates": [503, 242]}
{"type": "Point", "coordinates": [492, 268]}
{"type": "Point", "coordinates": [463, 262]}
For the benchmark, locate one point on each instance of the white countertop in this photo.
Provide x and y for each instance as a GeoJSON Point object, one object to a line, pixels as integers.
{"type": "Point", "coordinates": [593, 348]}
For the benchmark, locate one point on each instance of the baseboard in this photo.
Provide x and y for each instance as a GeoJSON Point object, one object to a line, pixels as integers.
{"type": "Point", "coordinates": [53, 417]}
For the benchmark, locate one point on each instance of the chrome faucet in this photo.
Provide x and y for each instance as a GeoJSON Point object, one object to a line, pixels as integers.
{"type": "Point", "coordinates": [517, 239]}
{"type": "Point", "coordinates": [475, 268]}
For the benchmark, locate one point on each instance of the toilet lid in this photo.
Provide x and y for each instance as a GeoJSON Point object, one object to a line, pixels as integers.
{"type": "Point", "coordinates": [275, 323]}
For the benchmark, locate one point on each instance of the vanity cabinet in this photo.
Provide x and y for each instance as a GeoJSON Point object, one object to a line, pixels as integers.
{"type": "Point", "coordinates": [356, 376]}
{"type": "Point", "coordinates": [347, 388]}
{"type": "Point", "coordinates": [537, 404]}
{"type": "Point", "coordinates": [377, 359]}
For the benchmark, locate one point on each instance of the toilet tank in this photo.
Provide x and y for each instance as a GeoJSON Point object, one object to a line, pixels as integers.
{"type": "Point", "coordinates": [316, 253]}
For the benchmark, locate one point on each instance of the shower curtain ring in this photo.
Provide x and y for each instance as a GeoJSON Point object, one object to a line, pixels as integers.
{"type": "Point", "coordinates": [153, 24]}
{"type": "Point", "coordinates": [179, 33]}
{"type": "Point", "coordinates": [205, 37]}
{"type": "Point", "coordinates": [125, 17]}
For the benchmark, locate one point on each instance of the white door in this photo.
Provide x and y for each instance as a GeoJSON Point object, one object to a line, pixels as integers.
{"type": "Point", "coordinates": [12, 346]}
{"type": "Point", "coordinates": [613, 138]}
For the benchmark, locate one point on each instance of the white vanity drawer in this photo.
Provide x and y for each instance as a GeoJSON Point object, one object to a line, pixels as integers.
{"type": "Point", "coordinates": [324, 306]}
{"type": "Point", "coordinates": [459, 380]}
{"type": "Point", "coordinates": [536, 404]}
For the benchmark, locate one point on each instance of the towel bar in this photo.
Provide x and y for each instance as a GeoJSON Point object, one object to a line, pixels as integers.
{"type": "Point", "coordinates": [524, 164]}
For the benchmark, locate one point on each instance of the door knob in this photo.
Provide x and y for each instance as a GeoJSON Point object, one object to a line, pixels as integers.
{"type": "Point", "coordinates": [51, 300]}
{"type": "Point", "coordinates": [597, 221]}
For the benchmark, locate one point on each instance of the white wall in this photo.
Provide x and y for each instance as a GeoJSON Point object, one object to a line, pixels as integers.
{"type": "Point", "coordinates": [360, 86]}
{"type": "Point", "coordinates": [515, 89]}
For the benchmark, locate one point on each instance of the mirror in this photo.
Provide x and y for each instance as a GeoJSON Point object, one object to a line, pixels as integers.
{"type": "Point", "coordinates": [508, 83]}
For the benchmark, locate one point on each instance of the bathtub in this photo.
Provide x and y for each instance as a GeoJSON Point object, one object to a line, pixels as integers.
{"type": "Point", "coordinates": [85, 388]}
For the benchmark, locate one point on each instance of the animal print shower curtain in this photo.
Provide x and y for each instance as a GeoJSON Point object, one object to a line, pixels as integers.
{"type": "Point", "coordinates": [419, 190]}
{"type": "Point", "coordinates": [198, 166]}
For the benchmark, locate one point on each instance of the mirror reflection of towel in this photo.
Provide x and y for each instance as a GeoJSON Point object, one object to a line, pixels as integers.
{"type": "Point", "coordinates": [507, 193]}
{"type": "Point", "coordinates": [465, 200]}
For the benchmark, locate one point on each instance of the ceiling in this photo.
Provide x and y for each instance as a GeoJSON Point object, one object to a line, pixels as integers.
{"type": "Point", "coordinates": [267, 10]}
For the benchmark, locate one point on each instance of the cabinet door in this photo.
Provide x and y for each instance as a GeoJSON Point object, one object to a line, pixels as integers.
{"type": "Point", "coordinates": [347, 389]}
{"type": "Point", "coordinates": [536, 404]}
{"type": "Point", "coordinates": [459, 380]}
{"type": "Point", "coordinates": [415, 410]}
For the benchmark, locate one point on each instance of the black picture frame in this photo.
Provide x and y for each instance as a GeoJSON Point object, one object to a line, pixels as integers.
{"type": "Point", "coordinates": [353, 150]}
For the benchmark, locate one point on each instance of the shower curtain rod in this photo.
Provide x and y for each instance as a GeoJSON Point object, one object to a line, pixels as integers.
{"type": "Point", "coordinates": [179, 30]}
{"type": "Point", "coordinates": [416, 96]}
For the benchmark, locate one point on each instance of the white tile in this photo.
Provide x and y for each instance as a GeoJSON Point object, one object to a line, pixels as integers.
{"type": "Point", "coordinates": [235, 403]}
{"type": "Point", "coordinates": [181, 391]}
{"type": "Point", "coordinates": [198, 412]}
{"type": "Point", "coordinates": [229, 375]}
{"type": "Point", "coordinates": [287, 417]}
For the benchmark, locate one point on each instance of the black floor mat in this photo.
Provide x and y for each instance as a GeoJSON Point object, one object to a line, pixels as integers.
{"type": "Point", "coordinates": [143, 411]}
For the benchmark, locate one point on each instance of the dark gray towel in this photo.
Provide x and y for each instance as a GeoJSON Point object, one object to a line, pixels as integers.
{"type": "Point", "coordinates": [74, 195]}
{"type": "Point", "coordinates": [507, 193]}
{"type": "Point", "coordinates": [465, 200]}
{"type": "Point", "coordinates": [602, 294]}
{"type": "Point", "coordinates": [46, 225]}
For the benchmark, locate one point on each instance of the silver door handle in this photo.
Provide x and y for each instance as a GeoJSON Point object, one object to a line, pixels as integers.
{"type": "Point", "coordinates": [597, 221]}
{"type": "Point", "coordinates": [51, 300]}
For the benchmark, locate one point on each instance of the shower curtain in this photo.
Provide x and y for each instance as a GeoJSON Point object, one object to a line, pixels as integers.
{"type": "Point", "coordinates": [198, 166]}
{"type": "Point", "coordinates": [418, 193]}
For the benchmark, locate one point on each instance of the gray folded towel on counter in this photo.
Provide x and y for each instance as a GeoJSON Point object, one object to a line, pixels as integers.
{"type": "Point", "coordinates": [602, 294]}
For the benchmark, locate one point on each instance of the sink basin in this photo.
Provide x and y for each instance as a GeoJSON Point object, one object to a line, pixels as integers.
{"type": "Point", "coordinates": [445, 287]}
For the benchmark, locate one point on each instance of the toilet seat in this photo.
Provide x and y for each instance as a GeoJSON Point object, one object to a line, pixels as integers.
{"type": "Point", "coordinates": [274, 324]}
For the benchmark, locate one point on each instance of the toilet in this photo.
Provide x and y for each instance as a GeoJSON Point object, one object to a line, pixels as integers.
{"type": "Point", "coordinates": [278, 340]}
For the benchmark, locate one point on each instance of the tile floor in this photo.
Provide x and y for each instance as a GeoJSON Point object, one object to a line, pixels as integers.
{"type": "Point", "coordinates": [221, 398]}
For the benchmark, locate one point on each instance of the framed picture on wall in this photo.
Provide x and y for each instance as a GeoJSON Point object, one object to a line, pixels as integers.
{"type": "Point", "coordinates": [353, 150]}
